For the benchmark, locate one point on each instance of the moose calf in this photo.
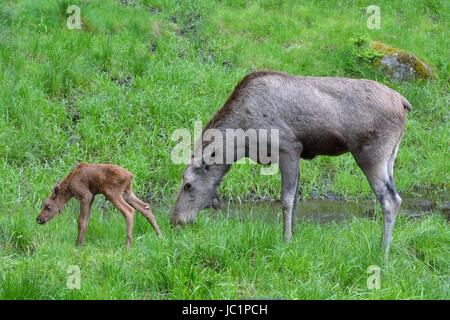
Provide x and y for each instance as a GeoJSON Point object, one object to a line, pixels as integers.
{"type": "Point", "coordinates": [87, 180]}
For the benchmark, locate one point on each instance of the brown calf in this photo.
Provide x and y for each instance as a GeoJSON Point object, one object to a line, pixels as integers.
{"type": "Point", "coordinates": [87, 180]}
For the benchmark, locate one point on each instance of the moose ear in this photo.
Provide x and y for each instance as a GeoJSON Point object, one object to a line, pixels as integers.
{"type": "Point", "coordinates": [211, 158]}
{"type": "Point", "coordinates": [215, 203]}
{"type": "Point", "coordinates": [199, 167]}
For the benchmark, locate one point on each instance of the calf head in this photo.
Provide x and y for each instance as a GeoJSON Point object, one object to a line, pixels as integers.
{"type": "Point", "coordinates": [51, 206]}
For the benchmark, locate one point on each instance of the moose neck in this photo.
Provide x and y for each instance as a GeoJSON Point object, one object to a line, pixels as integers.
{"type": "Point", "coordinates": [218, 171]}
{"type": "Point", "coordinates": [221, 121]}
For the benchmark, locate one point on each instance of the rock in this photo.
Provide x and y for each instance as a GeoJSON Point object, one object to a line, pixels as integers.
{"type": "Point", "coordinates": [389, 65]}
{"type": "Point", "coordinates": [153, 10]}
{"type": "Point", "coordinates": [152, 47]}
{"type": "Point", "coordinates": [73, 139]}
{"type": "Point", "coordinates": [228, 64]}
{"type": "Point", "coordinates": [206, 56]}
{"type": "Point", "coordinates": [413, 214]}
{"type": "Point", "coordinates": [400, 65]}
{"type": "Point", "coordinates": [149, 196]}
{"type": "Point", "coordinates": [421, 204]}
{"type": "Point", "coordinates": [444, 207]}
{"type": "Point", "coordinates": [128, 2]}
{"type": "Point", "coordinates": [331, 196]}
{"type": "Point", "coordinates": [122, 81]}
{"type": "Point", "coordinates": [315, 193]}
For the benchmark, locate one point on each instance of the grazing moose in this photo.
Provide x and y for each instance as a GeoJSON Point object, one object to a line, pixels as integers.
{"type": "Point", "coordinates": [87, 180]}
{"type": "Point", "coordinates": [314, 116]}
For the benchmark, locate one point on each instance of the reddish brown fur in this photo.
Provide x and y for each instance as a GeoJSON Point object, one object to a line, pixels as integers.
{"type": "Point", "coordinates": [88, 180]}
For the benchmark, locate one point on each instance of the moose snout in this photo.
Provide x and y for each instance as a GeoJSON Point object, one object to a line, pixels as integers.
{"type": "Point", "coordinates": [181, 220]}
{"type": "Point", "coordinates": [39, 220]}
{"type": "Point", "coordinates": [175, 222]}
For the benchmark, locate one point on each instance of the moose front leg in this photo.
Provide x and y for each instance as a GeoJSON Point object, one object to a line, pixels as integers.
{"type": "Point", "coordinates": [85, 212]}
{"type": "Point", "coordinates": [289, 168]}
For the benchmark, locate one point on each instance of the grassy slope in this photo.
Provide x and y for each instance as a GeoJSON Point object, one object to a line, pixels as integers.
{"type": "Point", "coordinates": [65, 97]}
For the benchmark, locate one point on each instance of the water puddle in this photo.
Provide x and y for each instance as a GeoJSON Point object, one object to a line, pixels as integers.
{"type": "Point", "coordinates": [324, 210]}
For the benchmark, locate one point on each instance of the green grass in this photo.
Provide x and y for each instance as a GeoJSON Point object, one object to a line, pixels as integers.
{"type": "Point", "coordinates": [102, 94]}
{"type": "Point", "coordinates": [224, 258]}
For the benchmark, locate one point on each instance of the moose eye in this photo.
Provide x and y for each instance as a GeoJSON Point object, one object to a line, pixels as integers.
{"type": "Point", "coordinates": [187, 187]}
{"type": "Point", "coordinates": [48, 207]}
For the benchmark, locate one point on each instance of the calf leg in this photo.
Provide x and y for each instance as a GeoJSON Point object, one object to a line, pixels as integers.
{"type": "Point", "coordinates": [133, 200]}
{"type": "Point", "coordinates": [289, 168]}
{"type": "Point", "coordinates": [143, 208]}
{"type": "Point", "coordinates": [128, 213]}
{"type": "Point", "coordinates": [83, 218]}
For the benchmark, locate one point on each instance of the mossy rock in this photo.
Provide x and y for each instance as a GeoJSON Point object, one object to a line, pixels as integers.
{"type": "Point", "coordinates": [398, 64]}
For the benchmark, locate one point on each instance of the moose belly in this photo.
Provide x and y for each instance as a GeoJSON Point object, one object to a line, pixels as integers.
{"type": "Point", "coordinates": [328, 144]}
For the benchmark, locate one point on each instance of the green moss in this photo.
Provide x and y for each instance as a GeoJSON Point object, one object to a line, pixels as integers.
{"type": "Point", "coordinates": [421, 69]}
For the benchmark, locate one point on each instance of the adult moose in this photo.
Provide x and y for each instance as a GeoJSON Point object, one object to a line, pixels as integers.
{"type": "Point", "coordinates": [314, 116]}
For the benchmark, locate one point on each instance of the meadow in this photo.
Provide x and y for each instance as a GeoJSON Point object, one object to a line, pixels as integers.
{"type": "Point", "coordinates": [116, 90]}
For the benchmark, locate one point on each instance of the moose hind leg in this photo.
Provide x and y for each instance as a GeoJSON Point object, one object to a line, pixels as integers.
{"type": "Point", "coordinates": [390, 165]}
{"type": "Point", "coordinates": [380, 177]}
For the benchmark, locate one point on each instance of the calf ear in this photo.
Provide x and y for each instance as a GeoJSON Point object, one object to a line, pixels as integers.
{"type": "Point", "coordinates": [56, 189]}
